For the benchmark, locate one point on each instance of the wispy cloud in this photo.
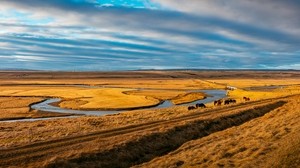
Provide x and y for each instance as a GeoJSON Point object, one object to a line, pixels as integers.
{"type": "Point", "coordinates": [139, 34]}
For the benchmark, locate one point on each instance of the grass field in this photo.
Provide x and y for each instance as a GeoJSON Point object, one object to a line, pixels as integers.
{"type": "Point", "coordinates": [18, 107]}
{"type": "Point", "coordinates": [99, 98]}
{"type": "Point", "coordinates": [268, 141]}
{"type": "Point", "coordinates": [244, 83]}
{"type": "Point", "coordinates": [271, 140]}
{"type": "Point", "coordinates": [76, 97]}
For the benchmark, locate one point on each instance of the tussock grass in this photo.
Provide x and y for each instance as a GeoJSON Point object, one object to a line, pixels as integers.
{"type": "Point", "coordinates": [150, 146]}
{"type": "Point", "coordinates": [250, 82]}
{"type": "Point", "coordinates": [18, 107]}
{"type": "Point", "coordinates": [110, 98]}
{"type": "Point", "coordinates": [268, 141]}
{"type": "Point", "coordinates": [127, 82]}
{"type": "Point", "coordinates": [259, 95]}
{"type": "Point", "coordinates": [89, 98]}
{"type": "Point", "coordinates": [158, 94]}
{"type": "Point", "coordinates": [14, 134]}
{"type": "Point", "coordinates": [260, 138]}
{"type": "Point", "coordinates": [177, 97]}
{"type": "Point", "coordinates": [187, 97]}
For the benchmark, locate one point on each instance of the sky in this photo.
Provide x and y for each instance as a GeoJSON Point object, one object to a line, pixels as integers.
{"type": "Point", "coordinates": [109, 35]}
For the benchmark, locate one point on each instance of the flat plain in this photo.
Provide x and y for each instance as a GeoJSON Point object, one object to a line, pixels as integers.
{"type": "Point", "coordinates": [262, 132]}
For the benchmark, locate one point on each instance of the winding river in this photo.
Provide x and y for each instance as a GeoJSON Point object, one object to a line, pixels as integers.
{"type": "Point", "coordinates": [46, 106]}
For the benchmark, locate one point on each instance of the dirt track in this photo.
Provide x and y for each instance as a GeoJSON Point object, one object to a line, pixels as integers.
{"type": "Point", "coordinates": [41, 151]}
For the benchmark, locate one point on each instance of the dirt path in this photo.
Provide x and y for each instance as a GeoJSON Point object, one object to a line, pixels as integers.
{"type": "Point", "coordinates": [37, 152]}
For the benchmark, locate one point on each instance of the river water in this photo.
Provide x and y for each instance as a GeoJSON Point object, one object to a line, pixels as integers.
{"type": "Point", "coordinates": [46, 106]}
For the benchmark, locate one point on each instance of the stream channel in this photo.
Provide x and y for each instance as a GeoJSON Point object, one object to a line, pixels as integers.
{"type": "Point", "coordinates": [46, 106]}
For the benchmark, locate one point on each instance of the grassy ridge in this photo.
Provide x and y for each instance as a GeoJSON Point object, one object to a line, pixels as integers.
{"type": "Point", "coordinates": [269, 141]}
{"type": "Point", "coordinates": [153, 145]}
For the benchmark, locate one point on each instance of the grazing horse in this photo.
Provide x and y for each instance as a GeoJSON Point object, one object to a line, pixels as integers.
{"type": "Point", "coordinates": [191, 107]}
{"type": "Point", "coordinates": [246, 98]}
{"type": "Point", "coordinates": [228, 101]}
{"type": "Point", "coordinates": [218, 102]}
{"type": "Point", "coordinates": [201, 105]}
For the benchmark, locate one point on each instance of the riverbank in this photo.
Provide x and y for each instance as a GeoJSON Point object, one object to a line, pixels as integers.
{"type": "Point", "coordinates": [50, 111]}
{"type": "Point", "coordinates": [13, 108]}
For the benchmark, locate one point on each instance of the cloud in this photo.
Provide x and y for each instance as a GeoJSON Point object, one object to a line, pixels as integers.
{"type": "Point", "coordinates": [281, 14]}
{"type": "Point", "coordinates": [214, 34]}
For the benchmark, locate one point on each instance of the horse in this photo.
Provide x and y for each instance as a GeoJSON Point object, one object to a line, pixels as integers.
{"type": "Point", "coordinates": [246, 98]}
{"type": "Point", "coordinates": [191, 107]}
{"type": "Point", "coordinates": [218, 102]}
{"type": "Point", "coordinates": [228, 101]}
{"type": "Point", "coordinates": [201, 105]}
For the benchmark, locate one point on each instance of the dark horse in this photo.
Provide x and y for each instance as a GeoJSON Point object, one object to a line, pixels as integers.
{"type": "Point", "coordinates": [229, 101]}
{"type": "Point", "coordinates": [191, 107]}
{"type": "Point", "coordinates": [218, 102]}
{"type": "Point", "coordinates": [246, 98]}
{"type": "Point", "coordinates": [201, 105]}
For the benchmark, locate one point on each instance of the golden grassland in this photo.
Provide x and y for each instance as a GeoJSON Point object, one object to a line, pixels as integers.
{"type": "Point", "coordinates": [243, 83]}
{"type": "Point", "coordinates": [176, 97]}
{"type": "Point", "coordinates": [16, 133]}
{"type": "Point", "coordinates": [95, 98]}
{"type": "Point", "coordinates": [163, 83]}
{"type": "Point", "coordinates": [118, 142]}
{"type": "Point", "coordinates": [158, 94]}
{"type": "Point", "coordinates": [123, 151]}
{"type": "Point", "coordinates": [95, 153]}
{"type": "Point", "coordinates": [258, 95]}
{"type": "Point", "coordinates": [268, 141]}
{"type": "Point", "coordinates": [77, 97]}
{"type": "Point", "coordinates": [187, 97]}
{"type": "Point", "coordinates": [18, 107]}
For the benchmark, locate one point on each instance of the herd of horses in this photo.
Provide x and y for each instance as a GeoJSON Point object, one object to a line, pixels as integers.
{"type": "Point", "coordinates": [198, 105]}
{"type": "Point", "coordinates": [217, 103]}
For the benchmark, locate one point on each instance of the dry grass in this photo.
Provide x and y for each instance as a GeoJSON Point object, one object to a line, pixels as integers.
{"type": "Point", "coordinates": [266, 138]}
{"type": "Point", "coordinates": [107, 98]}
{"type": "Point", "coordinates": [15, 107]}
{"type": "Point", "coordinates": [158, 94]}
{"type": "Point", "coordinates": [187, 97]}
{"type": "Point", "coordinates": [12, 134]}
{"type": "Point", "coordinates": [177, 97]}
{"type": "Point", "coordinates": [63, 127]}
{"type": "Point", "coordinates": [258, 95]}
{"type": "Point", "coordinates": [243, 83]}
{"type": "Point", "coordinates": [263, 142]}
{"type": "Point", "coordinates": [163, 83]}
{"type": "Point", "coordinates": [98, 98]}
{"type": "Point", "coordinates": [140, 146]}
{"type": "Point", "coordinates": [18, 107]}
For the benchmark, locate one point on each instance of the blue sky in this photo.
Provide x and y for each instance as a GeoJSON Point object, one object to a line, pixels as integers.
{"type": "Point", "coordinates": [105, 35]}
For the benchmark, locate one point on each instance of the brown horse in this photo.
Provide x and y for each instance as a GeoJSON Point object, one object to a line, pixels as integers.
{"type": "Point", "coordinates": [246, 98]}
{"type": "Point", "coordinates": [201, 105]}
{"type": "Point", "coordinates": [229, 101]}
{"type": "Point", "coordinates": [191, 107]}
{"type": "Point", "coordinates": [218, 102]}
